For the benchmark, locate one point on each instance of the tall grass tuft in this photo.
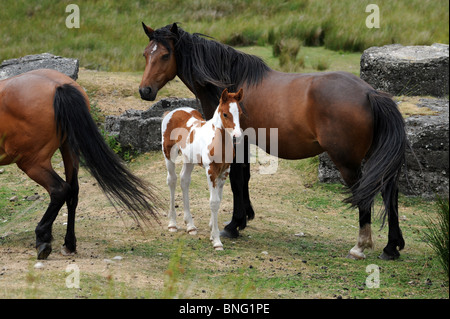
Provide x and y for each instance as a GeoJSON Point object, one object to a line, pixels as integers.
{"type": "Point", "coordinates": [437, 233]}
{"type": "Point", "coordinates": [287, 51]}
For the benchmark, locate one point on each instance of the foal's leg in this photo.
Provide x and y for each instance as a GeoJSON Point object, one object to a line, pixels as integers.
{"type": "Point", "coordinates": [44, 175]}
{"type": "Point", "coordinates": [185, 181]}
{"type": "Point", "coordinates": [71, 165]}
{"type": "Point", "coordinates": [214, 203]}
{"type": "Point", "coordinates": [172, 183]}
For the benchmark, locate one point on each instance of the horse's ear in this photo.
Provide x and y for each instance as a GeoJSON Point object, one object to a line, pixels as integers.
{"type": "Point", "coordinates": [239, 95]}
{"type": "Point", "coordinates": [174, 29]}
{"type": "Point", "coordinates": [224, 96]}
{"type": "Point", "coordinates": [148, 31]}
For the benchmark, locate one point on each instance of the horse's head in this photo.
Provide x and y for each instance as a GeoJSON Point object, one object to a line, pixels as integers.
{"type": "Point", "coordinates": [230, 112]}
{"type": "Point", "coordinates": [160, 65]}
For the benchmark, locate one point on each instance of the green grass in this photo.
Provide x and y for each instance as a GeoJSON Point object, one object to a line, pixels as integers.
{"type": "Point", "coordinates": [110, 36]}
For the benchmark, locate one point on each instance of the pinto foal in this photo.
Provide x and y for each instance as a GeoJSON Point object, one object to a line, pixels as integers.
{"type": "Point", "coordinates": [207, 143]}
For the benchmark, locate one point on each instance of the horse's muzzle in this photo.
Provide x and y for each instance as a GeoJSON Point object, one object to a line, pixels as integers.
{"type": "Point", "coordinates": [147, 93]}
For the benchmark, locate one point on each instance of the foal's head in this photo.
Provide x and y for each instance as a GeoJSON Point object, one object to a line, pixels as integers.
{"type": "Point", "coordinates": [230, 112]}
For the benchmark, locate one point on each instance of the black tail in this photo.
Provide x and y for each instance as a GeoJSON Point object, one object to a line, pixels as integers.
{"type": "Point", "coordinates": [386, 157]}
{"type": "Point", "coordinates": [120, 186]}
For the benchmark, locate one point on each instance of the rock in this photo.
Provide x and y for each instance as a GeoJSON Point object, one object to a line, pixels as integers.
{"type": "Point", "coordinates": [429, 138]}
{"type": "Point", "coordinates": [2, 170]}
{"type": "Point", "coordinates": [141, 130]}
{"type": "Point", "coordinates": [14, 199]}
{"type": "Point", "coordinates": [13, 67]}
{"type": "Point", "coordinates": [407, 70]}
{"type": "Point", "coordinates": [32, 198]}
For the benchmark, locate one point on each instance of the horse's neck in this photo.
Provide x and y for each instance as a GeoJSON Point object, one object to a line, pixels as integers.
{"type": "Point", "coordinates": [208, 102]}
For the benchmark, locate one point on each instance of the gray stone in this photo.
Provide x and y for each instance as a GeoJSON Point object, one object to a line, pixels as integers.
{"type": "Point", "coordinates": [407, 70]}
{"type": "Point", "coordinates": [427, 169]}
{"type": "Point", "coordinates": [429, 139]}
{"type": "Point", "coordinates": [141, 130]}
{"type": "Point", "coordinates": [13, 67]}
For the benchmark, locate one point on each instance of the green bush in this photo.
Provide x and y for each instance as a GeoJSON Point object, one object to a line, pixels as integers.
{"type": "Point", "coordinates": [437, 233]}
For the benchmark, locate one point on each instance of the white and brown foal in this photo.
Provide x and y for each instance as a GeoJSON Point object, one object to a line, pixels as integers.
{"type": "Point", "coordinates": [207, 143]}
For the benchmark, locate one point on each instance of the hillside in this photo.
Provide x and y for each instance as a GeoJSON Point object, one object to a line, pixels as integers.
{"type": "Point", "coordinates": [110, 37]}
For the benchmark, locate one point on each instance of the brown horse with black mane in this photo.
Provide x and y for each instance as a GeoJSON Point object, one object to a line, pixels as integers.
{"type": "Point", "coordinates": [43, 110]}
{"type": "Point", "coordinates": [333, 112]}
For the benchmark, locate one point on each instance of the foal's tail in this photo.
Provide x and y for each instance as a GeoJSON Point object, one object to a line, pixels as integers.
{"type": "Point", "coordinates": [386, 156]}
{"type": "Point", "coordinates": [120, 186]}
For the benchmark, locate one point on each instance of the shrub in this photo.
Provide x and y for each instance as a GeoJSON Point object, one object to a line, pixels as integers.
{"type": "Point", "coordinates": [437, 233]}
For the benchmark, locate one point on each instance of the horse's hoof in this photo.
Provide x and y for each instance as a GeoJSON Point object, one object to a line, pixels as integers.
{"type": "Point", "coordinates": [217, 248]}
{"type": "Point", "coordinates": [356, 255]}
{"type": "Point", "coordinates": [351, 256]}
{"type": "Point", "coordinates": [44, 250]}
{"type": "Point", "coordinates": [228, 234]}
{"type": "Point", "coordinates": [173, 229]}
{"type": "Point", "coordinates": [192, 232]}
{"type": "Point", "coordinates": [67, 252]}
{"type": "Point", "coordinates": [385, 256]}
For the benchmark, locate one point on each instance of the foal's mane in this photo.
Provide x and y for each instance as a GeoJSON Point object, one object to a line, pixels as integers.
{"type": "Point", "coordinates": [211, 65]}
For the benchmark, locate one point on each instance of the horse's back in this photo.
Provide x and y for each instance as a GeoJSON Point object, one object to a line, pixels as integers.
{"type": "Point", "coordinates": [312, 110]}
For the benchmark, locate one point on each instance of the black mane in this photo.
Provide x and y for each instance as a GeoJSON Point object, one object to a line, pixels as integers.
{"type": "Point", "coordinates": [210, 65]}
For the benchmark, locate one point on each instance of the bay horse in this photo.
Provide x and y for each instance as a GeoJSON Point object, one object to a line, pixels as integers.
{"type": "Point", "coordinates": [333, 112]}
{"type": "Point", "coordinates": [42, 111]}
{"type": "Point", "coordinates": [206, 143]}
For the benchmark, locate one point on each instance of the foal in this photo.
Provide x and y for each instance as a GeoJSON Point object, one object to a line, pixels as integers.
{"type": "Point", "coordinates": [207, 143]}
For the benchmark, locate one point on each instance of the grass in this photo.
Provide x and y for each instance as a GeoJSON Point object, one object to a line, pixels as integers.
{"type": "Point", "coordinates": [437, 233]}
{"type": "Point", "coordinates": [268, 261]}
{"type": "Point", "coordinates": [110, 36]}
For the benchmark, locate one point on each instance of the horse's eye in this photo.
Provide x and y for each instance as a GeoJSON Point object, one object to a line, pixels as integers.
{"type": "Point", "coordinates": [165, 57]}
{"type": "Point", "coordinates": [225, 115]}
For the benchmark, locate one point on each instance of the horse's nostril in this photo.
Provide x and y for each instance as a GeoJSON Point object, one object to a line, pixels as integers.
{"type": "Point", "coordinates": [145, 91]}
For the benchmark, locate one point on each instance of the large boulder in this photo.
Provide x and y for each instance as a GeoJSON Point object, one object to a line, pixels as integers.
{"type": "Point", "coordinates": [141, 130]}
{"type": "Point", "coordinates": [407, 70]}
{"type": "Point", "coordinates": [427, 167]}
{"type": "Point", "coordinates": [13, 67]}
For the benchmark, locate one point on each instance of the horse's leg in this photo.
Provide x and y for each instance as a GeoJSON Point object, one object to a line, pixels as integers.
{"type": "Point", "coordinates": [58, 189]}
{"type": "Point", "coordinates": [237, 182]}
{"type": "Point", "coordinates": [71, 165]}
{"type": "Point", "coordinates": [185, 181]}
{"type": "Point", "coordinates": [351, 174]}
{"type": "Point", "coordinates": [214, 203]}
{"type": "Point", "coordinates": [172, 183]}
{"type": "Point", "coordinates": [247, 203]}
{"type": "Point", "coordinates": [395, 237]}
